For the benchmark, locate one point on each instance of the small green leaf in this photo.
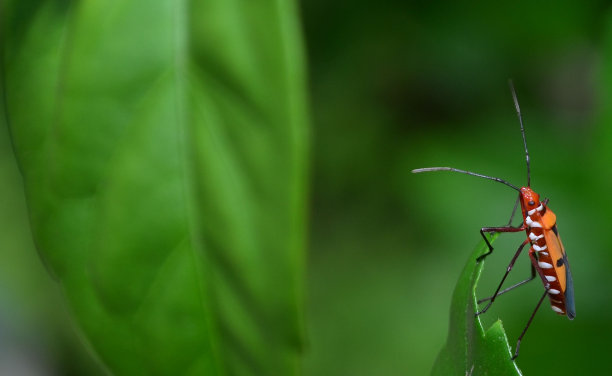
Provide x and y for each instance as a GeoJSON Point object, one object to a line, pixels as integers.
{"type": "Point", "coordinates": [469, 349]}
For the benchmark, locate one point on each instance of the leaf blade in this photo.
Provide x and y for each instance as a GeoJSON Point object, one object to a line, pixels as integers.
{"type": "Point", "coordinates": [469, 349]}
{"type": "Point", "coordinates": [165, 173]}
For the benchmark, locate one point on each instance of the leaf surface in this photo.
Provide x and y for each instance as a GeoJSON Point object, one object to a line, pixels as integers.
{"type": "Point", "coordinates": [163, 150]}
{"type": "Point", "coordinates": [470, 349]}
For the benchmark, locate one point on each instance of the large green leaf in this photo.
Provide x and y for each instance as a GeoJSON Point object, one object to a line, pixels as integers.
{"type": "Point", "coordinates": [469, 349]}
{"type": "Point", "coordinates": [163, 145]}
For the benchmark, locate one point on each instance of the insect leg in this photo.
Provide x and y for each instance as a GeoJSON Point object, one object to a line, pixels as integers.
{"type": "Point", "coordinates": [514, 209]}
{"type": "Point", "coordinates": [495, 229]}
{"type": "Point", "coordinates": [533, 274]}
{"type": "Point", "coordinates": [518, 343]}
{"type": "Point", "coordinates": [516, 255]}
{"type": "Point", "coordinates": [546, 288]}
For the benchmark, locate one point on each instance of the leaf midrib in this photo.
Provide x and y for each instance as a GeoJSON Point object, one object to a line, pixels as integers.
{"type": "Point", "coordinates": [181, 69]}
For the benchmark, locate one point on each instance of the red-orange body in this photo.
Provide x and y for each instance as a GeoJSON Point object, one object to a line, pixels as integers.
{"type": "Point", "coordinates": [547, 253]}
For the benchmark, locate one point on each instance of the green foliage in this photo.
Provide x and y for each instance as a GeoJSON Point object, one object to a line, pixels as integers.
{"type": "Point", "coordinates": [469, 349]}
{"type": "Point", "coordinates": [394, 86]}
{"type": "Point", "coordinates": [163, 150]}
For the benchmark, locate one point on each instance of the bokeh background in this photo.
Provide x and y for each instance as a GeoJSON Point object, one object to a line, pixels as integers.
{"type": "Point", "coordinates": [397, 85]}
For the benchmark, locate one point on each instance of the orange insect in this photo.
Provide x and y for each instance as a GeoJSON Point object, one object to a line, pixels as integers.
{"type": "Point", "coordinates": [547, 253]}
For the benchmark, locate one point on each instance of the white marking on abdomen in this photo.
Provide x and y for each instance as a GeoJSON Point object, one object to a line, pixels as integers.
{"type": "Point", "coordinates": [553, 291]}
{"type": "Point", "coordinates": [535, 237]}
{"type": "Point", "coordinates": [550, 278]}
{"type": "Point", "coordinates": [532, 223]}
{"type": "Point", "coordinates": [544, 253]}
{"type": "Point", "coordinates": [537, 248]}
{"type": "Point", "coordinates": [544, 265]}
{"type": "Point", "coordinates": [556, 309]}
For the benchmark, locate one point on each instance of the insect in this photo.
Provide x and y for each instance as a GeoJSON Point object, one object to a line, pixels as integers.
{"type": "Point", "coordinates": [546, 252]}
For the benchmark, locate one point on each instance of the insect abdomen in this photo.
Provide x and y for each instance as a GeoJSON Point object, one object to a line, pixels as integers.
{"type": "Point", "coordinates": [548, 252]}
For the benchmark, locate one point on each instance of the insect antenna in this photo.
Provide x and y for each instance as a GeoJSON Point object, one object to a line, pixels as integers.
{"type": "Point", "coordinates": [429, 169]}
{"type": "Point", "coordinates": [520, 117]}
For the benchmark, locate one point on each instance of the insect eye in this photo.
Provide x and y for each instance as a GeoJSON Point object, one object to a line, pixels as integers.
{"type": "Point", "coordinates": [531, 203]}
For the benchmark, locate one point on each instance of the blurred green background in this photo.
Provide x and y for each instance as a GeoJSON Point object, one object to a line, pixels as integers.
{"type": "Point", "coordinates": [399, 85]}
{"type": "Point", "coordinates": [394, 86]}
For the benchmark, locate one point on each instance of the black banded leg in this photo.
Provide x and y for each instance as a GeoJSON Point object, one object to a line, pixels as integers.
{"type": "Point", "coordinates": [516, 255]}
{"type": "Point", "coordinates": [495, 229]}
{"type": "Point", "coordinates": [518, 343]}
{"type": "Point", "coordinates": [533, 274]}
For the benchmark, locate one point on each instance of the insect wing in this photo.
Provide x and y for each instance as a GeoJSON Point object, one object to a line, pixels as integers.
{"type": "Point", "coordinates": [562, 268]}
